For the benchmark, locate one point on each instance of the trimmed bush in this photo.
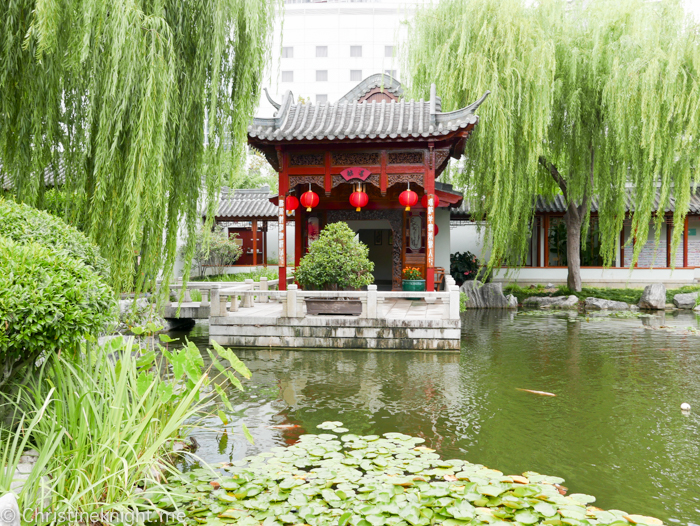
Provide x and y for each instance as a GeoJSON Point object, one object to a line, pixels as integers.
{"type": "Point", "coordinates": [24, 224]}
{"type": "Point", "coordinates": [48, 301]}
{"type": "Point", "coordinates": [336, 261]}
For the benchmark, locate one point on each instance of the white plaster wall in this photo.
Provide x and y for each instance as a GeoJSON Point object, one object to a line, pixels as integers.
{"type": "Point", "coordinates": [464, 237]}
{"type": "Point", "coordinates": [273, 238]}
{"type": "Point", "coordinates": [443, 240]}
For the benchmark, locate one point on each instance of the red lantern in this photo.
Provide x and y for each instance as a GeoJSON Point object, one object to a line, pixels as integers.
{"type": "Point", "coordinates": [437, 230]}
{"type": "Point", "coordinates": [309, 199]}
{"type": "Point", "coordinates": [424, 201]}
{"type": "Point", "coordinates": [408, 198]}
{"type": "Point", "coordinates": [359, 198]}
{"type": "Point", "coordinates": [291, 204]}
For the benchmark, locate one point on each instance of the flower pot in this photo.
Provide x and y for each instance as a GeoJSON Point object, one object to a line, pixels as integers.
{"type": "Point", "coordinates": [417, 285]}
{"type": "Point", "coordinates": [347, 307]}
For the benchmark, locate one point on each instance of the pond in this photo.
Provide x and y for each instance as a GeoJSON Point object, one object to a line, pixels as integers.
{"type": "Point", "coordinates": [614, 429]}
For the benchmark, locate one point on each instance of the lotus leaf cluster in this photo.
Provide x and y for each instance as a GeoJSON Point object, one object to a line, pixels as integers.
{"type": "Point", "coordinates": [345, 479]}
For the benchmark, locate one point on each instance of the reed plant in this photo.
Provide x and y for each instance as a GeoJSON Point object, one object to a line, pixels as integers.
{"type": "Point", "coordinates": [104, 424]}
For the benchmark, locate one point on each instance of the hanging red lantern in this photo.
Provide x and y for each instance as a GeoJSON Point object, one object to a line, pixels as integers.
{"type": "Point", "coordinates": [408, 198]}
{"type": "Point", "coordinates": [424, 201]}
{"type": "Point", "coordinates": [291, 204]}
{"type": "Point", "coordinates": [309, 199]}
{"type": "Point", "coordinates": [359, 198]}
{"type": "Point", "coordinates": [437, 230]}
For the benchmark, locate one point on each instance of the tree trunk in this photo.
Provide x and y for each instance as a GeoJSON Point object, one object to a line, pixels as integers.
{"type": "Point", "coordinates": [574, 219]}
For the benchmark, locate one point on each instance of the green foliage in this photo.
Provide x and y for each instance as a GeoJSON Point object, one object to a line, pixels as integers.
{"type": "Point", "coordinates": [463, 299]}
{"type": "Point", "coordinates": [25, 224]}
{"type": "Point", "coordinates": [464, 266]}
{"type": "Point", "coordinates": [345, 479]}
{"type": "Point", "coordinates": [215, 251]}
{"type": "Point", "coordinates": [104, 424]}
{"type": "Point", "coordinates": [586, 97]}
{"type": "Point", "coordinates": [48, 302]}
{"type": "Point", "coordinates": [412, 273]}
{"type": "Point", "coordinates": [336, 261]}
{"type": "Point", "coordinates": [628, 295]}
{"type": "Point", "coordinates": [140, 102]}
{"type": "Point", "coordinates": [266, 272]}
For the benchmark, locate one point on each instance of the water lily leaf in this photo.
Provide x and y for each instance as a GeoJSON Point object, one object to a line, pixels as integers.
{"type": "Point", "coordinates": [492, 490]}
{"type": "Point", "coordinates": [583, 499]}
{"type": "Point", "coordinates": [526, 517]}
{"type": "Point", "coordinates": [344, 518]}
{"type": "Point", "coordinates": [641, 519]}
{"type": "Point", "coordinates": [545, 509]}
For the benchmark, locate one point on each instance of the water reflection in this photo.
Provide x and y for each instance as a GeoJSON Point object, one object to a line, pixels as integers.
{"type": "Point", "coordinates": [614, 430]}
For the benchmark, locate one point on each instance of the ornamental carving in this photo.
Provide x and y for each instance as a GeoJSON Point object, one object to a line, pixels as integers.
{"type": "Point", "coordinates": [440, 156]}
{"type": "Point", "coordinates": [404, 178]}
{"type": "Point", "coordinates": [355, 159]}
{"type": "Point", "coordinates": [305, 179]}
{"type": "Point", "coordinates": [406, 157]}
{"type": "Point", "coordinates": [395, 218]}
{"type": "Point", "coordinates": [372, 179]}
{"type": "Point", "coordinates": [306, 159]}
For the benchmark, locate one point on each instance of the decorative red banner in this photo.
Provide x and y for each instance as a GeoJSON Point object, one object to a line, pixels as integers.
{"type": "Point", "coordinates": [355, 173]}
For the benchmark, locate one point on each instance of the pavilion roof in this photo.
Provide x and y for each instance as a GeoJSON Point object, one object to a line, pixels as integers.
{"type": "Point", "coordinates": [246, 205]}
{"type": "Point", "coordinates": [350, 118]}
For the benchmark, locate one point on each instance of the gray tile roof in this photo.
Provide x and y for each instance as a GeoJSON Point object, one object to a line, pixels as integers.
{"type": "Point", "coordinates": [350, 119]}
{"type": "Point", "coordinates": [557, 204]}
{"type": "Point", "coordinates": [246, 204]}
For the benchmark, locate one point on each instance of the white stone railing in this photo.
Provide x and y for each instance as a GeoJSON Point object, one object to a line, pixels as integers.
{"type": "Point", "coordinates": [225, 300]}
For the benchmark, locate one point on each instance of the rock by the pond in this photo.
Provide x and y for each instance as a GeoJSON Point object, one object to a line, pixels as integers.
{"type": "Point", "coordinates": [602, 304]}
{"type": "Point", "coordinates": [126, 305]}
{"type": "Point", "coordinates": [552, 302]}
{"type": "Point", "coordinates": [512, 301]}
{"type": "Point", "coordinates": [653, 297]}
{"type": "Point", "coordinates": [484, 295]}
{"type": "Point", "coordinates": [9, 510]}
{"type": "Point", "coordinates": [686, 301]}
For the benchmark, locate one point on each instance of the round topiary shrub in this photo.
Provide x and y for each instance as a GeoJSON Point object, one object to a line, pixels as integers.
{"type": "Point", "coordinates": [336, 261]}
{"type": "Point", "coordinates": [48, 301]}
{"type": "Point", "coordinates": [24, 224]}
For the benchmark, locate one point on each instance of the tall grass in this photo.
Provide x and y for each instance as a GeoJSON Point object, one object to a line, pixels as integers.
{"type": "Point", "coordinates": [103, 425]}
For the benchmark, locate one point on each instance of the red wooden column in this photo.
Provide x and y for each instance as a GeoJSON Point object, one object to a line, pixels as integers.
{"type": "Point", "coordinates": [685, 242]}
{"type": "Point", "coordinates": [429, 188]}
{"type": "Point", "coordinates": [282, 220]}
{"type": "Point", "coordinates": [546, 240]}
{"type": "Point", "coordinates": [299, 218]}
{"type": "Point", "coordinates": [668, 243]}
{"type": "Point", "coordinates": [255, 242]}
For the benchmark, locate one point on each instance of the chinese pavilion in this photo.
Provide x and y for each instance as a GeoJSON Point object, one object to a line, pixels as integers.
{"type": "Point", "coordinates": [370, 142]}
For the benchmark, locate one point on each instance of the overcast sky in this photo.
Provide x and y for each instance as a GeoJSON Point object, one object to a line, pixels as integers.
{"type": "Point", "coordinates": [694, 6]}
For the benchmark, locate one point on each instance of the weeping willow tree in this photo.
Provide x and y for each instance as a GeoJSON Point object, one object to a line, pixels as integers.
{"type": "Point", "coordinates": [138, 102]}
{"type": "Point", "coordinates": [587, 99]}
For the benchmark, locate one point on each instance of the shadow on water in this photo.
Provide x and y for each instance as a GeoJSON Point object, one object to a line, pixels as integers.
{"type": "Point", "coordinates": [613, 430]}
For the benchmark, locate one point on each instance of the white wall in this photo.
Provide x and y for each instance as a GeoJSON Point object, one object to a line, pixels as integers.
{"type": "Point", "coordinates": [443, 240]}
{"type": "Point", "coordinates": [465, 237]}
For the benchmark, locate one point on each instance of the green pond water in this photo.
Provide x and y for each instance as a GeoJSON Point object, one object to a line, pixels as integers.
{"type": "Point", "coordinates": [614, 429]}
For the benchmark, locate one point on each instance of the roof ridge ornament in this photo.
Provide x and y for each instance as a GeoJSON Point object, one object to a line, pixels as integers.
{"type": "Point", "coordinates": [275, 104]}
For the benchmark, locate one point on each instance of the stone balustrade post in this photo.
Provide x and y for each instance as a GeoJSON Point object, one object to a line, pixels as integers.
{"type": "Point", "coordinates": [234, 303]}
{"type": "Point", "coordinates": [290, 306]}
{"type": "Point", "coordinates": [205, 297]}
{"type": "Point", "coordinates": [248, 298]}
{"type": "Point", "coordinates": [371, 301]}
{"type": "Point", "coordinates": [454, 302]}
{"type": "Point", "coordinates": [187, 297]}
{"type": "Point", "coordinates": [214, 298]}
{"type": "Point", "coordinates": [264, 287]}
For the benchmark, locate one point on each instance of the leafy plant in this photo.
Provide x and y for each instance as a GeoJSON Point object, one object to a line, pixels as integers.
{"type": "Point", "coordinates": [335, 261]}
{"type": "Point", "coordinates": [337, 478]}
{"type": "Point", "coordinates": [464, 266]}
{"type": "Point", "coordinates": [104, 423]}
{"type": "Point", "coordinates": [463, 299]}
{"type": "Point", "coordinates": [267, 272]}
{"type": "Point", "coordinates": [412, 273]}
{"type": "Point", "coordinates": [49, 301]}
{"type": "Point", "coordinates": [215, 250]}
{"type": "Point", "coordinates": [25, 224]}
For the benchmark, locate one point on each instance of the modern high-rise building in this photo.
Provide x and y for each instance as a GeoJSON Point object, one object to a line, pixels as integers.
{"type": "Point", "coordinates": [322, 49]}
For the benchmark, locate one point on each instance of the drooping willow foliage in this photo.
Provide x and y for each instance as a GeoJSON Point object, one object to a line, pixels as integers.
{"type": "Point", "coordinates": [138, 101]}
{"type": "Point", "coordinates": [607, 92]}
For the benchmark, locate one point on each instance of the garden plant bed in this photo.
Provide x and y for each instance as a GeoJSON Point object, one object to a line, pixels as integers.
{"type": "Point", "coordinates": [336, 478]}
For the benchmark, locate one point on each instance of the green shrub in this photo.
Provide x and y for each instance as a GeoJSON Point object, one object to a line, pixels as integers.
{"type": "Point", "coordinates": [216, 251]}
{"type": "Point", "coordinates": [24, 224]}
{"type": "Point", "coordinates": [48, 301]}
{"type": "Point", "coordinates": [464, 266]}
{"type": "Point", "coordinates": [336, 261]}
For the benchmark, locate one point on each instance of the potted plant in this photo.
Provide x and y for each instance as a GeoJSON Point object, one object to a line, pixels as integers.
{"type": "Point", "coordinates": [412, 279]}
{"type": "Point", "coordinates": [336, 262]}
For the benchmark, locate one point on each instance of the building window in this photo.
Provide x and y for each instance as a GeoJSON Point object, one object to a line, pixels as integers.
{"type": "Point", "coordinates": [321, 99]}
{"type": "Point", "coordinates": [287, 76]}
{"type": "Point", "coordinates": [356, 74]}
{"type": "Point", "coordinates": [389, 51]}
{"type": "Point", "coordinates": [288, 52]}
{"type": "Point", "coordinates": [321, 51]}
{"type": "Point", "coordinates": [391, 72]}
{"type": "Point", "coordinates": [355, 51]}
{"type": "Point", "coordinates": [321, 75]}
